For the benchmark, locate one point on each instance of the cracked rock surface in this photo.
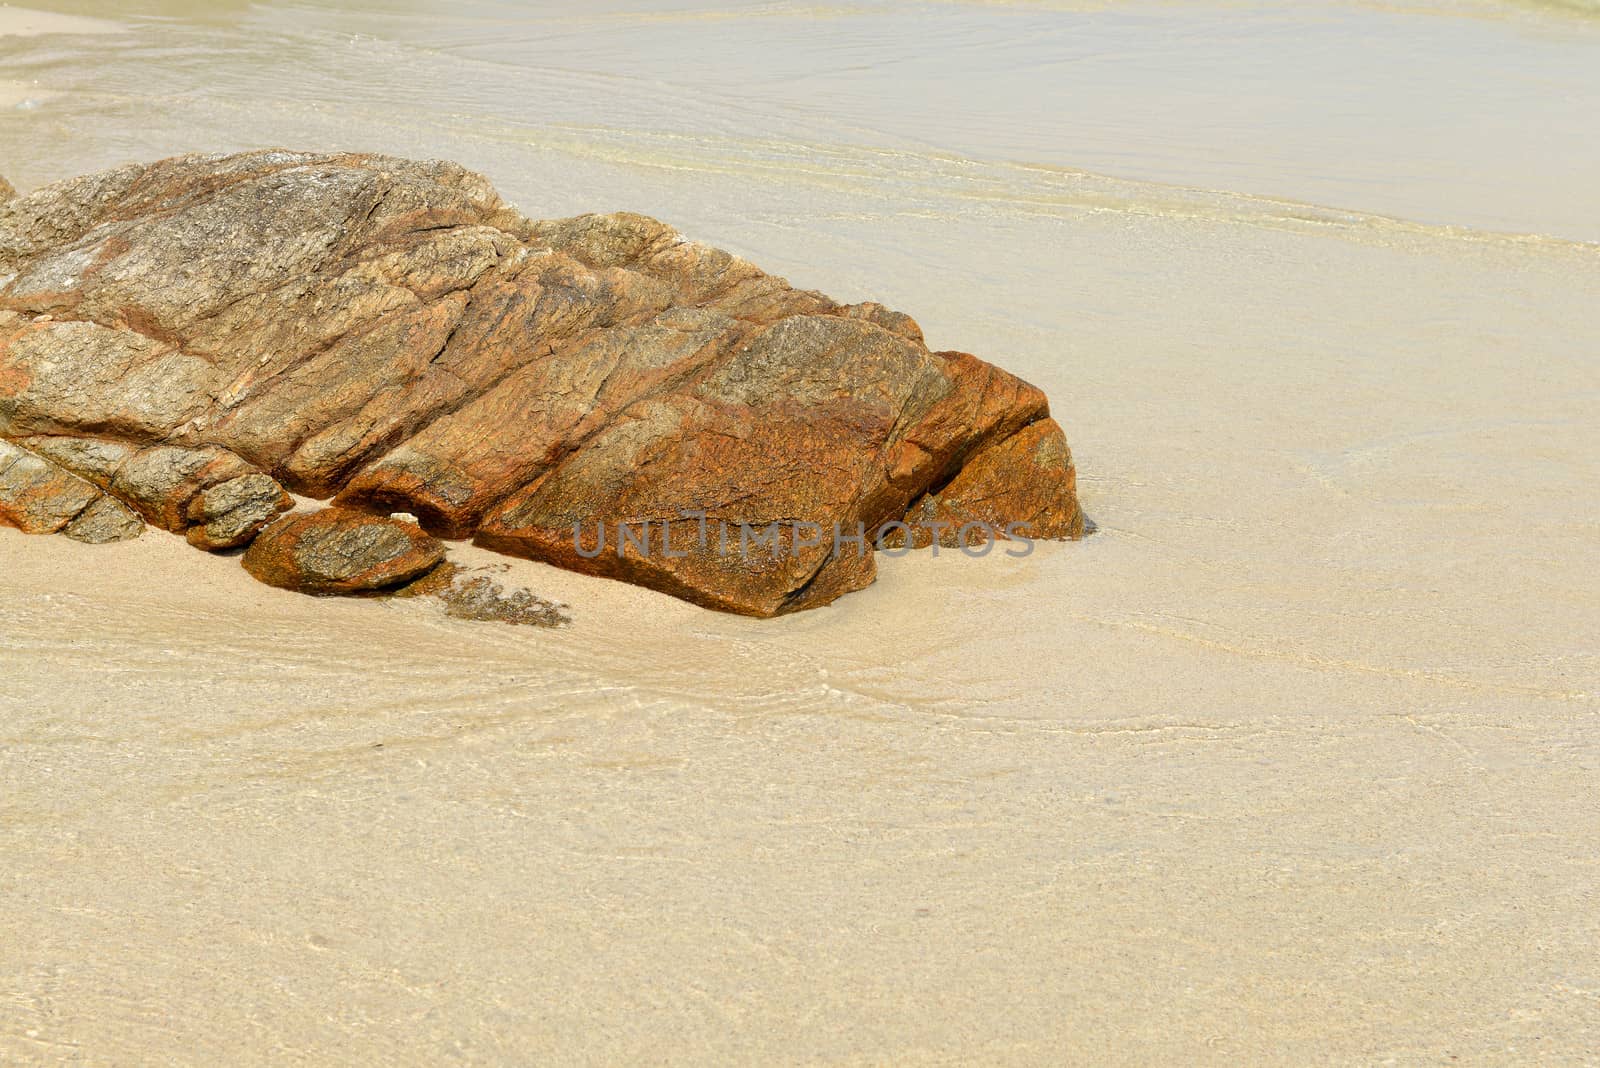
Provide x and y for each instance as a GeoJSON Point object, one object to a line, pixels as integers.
{"type": "Point", "coordinates": [197, 337]}
{"type": "Point", "coordinates": [41, 497]}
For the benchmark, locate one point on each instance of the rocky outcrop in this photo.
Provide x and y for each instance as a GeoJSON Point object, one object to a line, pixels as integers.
{"type": "Point", "coordinates": [198, 336]}
{"type": "Point", "coordinates": [340, 551]}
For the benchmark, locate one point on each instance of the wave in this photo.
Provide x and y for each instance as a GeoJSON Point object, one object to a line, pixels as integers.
{"type": "Point", "coordinates": [955, 184]}
{"type": "Point", "coordinates": [1037, 134]}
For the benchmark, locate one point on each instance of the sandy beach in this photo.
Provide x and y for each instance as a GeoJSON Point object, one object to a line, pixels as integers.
{"type": "Point", "coordinates": [1296, 761]}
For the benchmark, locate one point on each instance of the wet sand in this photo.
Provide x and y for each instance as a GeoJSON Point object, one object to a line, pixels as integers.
{"type": "Point", "coordinates": [1294, 762]}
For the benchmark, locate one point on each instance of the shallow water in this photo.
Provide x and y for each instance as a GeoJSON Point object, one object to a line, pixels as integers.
{"type": "Point", "coordinates": [1295, 761]}
{"type": "Point", "coordinates": [1357, 107]}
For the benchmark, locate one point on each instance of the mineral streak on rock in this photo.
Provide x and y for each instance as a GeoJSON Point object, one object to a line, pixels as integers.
{"type": "Point", "coordinates": [197, 336]}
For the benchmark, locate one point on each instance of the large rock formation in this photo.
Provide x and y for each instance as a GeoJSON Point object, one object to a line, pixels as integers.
{"type": "Point", "coordinates": [194, 337]}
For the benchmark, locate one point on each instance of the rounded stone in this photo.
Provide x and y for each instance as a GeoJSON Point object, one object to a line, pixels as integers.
{"type": "Point", "coordinates": [337, 550]}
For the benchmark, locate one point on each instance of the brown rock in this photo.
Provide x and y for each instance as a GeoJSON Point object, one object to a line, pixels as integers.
{"type": "Point", "coordinates": [341, 551]}
{"type": "Point", "coordinates": [105, 520]}
{"type": "Point", "coordinates": [195, 335]}
{"type": "Point", "coordinates": [161, 481]}
{"type": "Point", "coordinates": [83, 378]}
{"type": "Point", "coordinates": [38, 496]}
{"type": "Point", "coordinates": [95, 459]}
{"type": "Point", "coordinates": [207, 494]}
{"type": "Point", "coordinates": [56, 216]}
{"type": "Point", "coordinates": [6, 190]}
{"type": "Point", "coordinates": [230, 514]}
{"type": "Point", "coordinates": [1015, 488]}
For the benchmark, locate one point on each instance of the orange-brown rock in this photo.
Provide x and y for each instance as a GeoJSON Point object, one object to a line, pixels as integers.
{"type": "Point", "coordinates": [216, 500]}
{"type": "Point", "coordinates": [41, 497]}
{"type": "Point", "coordinates": [1010, 489]}
{"type": "Point", "coordinates": [336, 550]}
{"type": "Point", "coordinates": [195, 336]}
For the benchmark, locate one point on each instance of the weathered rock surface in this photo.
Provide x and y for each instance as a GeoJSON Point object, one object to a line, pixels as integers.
{"type": "Point", "coordinates": [229, 514]}
{"type": "Point", "coordinates": [105, 520]}
{"type": "Point", "coordinates": [336, 550]}
{"type": "Point", "coordinates": [196, 336]}
{"type": "Point", "coordinates": [41, 497]}
{"type": "Point", "coordinates": [1027, 480]}
{"type": "Point", "coordinates": [36, 496]}
{"type": "Point", "coordinates": [213, 498]}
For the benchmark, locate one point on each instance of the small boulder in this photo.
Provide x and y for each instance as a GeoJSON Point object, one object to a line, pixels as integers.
{"type": "Point", "coordinates": [162, 481]}
{"type": "Point", "coordinates": [6, 191]}
{"type": "Point", "coordinates": [230, 513]}
{"type": "Point", "coordinates": [337, 550]}
{"type": "Point", "coordinates": [209, 495]}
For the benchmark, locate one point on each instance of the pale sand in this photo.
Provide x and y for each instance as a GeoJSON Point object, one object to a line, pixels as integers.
{"type": "Point", "coordinates": [20, 94]}
{"type": "Point", "coordinates": [1294, 762]}
{"type": "Point", "coordinates": [25, 22]}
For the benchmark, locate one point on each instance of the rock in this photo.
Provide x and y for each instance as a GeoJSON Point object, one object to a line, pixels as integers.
{"type": "Point", "coordinates": [341, 551]}
{"type": "Point", "coordinates": [6, 191]}
{"type": "Point", "coordinates": [1010, 489]}
{"type": "Point", "coordinates": [480, 599]}
{"type": "Point", "coordinates": [38, 496]}
{"type": "Point", "coordinates": [483, 600]}
{"type": "Point", "coordinates": [198, 335]}
{"type": "Point", "coordinates": [83, 378]}
{"type": "Point", "coordinates": [161, 482]}
{"type": "Point", "coordinates": [94, 459]}
{"type": "Point", "coordinates": [231, 513]}
{"type": "Point", "coordinates": [105, 520]}
{"type": "Point", "coordinates": [216, 500]}
{"type": "Point", "coordinates": [57, 216]}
